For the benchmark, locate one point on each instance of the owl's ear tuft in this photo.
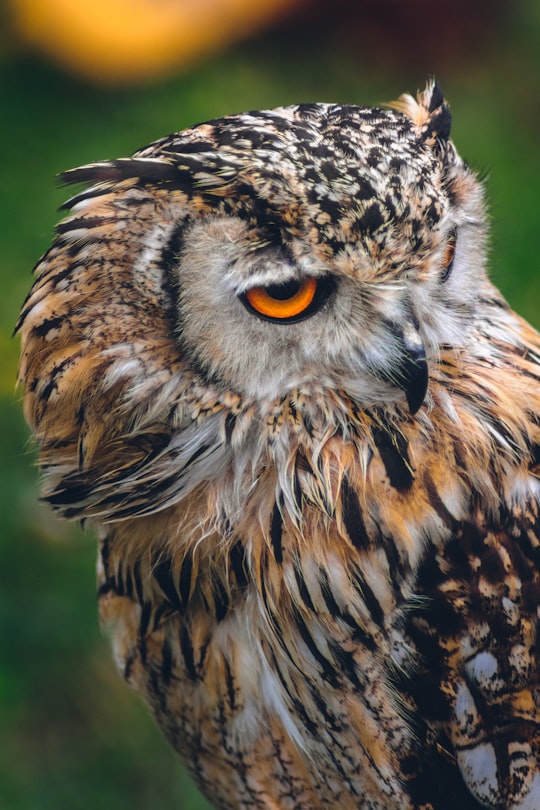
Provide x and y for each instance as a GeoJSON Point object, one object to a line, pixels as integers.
{"type": "Point", "coordinates": [435, 95]}
{"type": "Point", "coordinates": [428, 111]}
{"type": "Point", "coordinates": [440, 118]}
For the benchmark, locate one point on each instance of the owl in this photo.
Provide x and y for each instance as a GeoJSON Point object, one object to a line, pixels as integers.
{"type": "Point", "coordinates": [265, 365]}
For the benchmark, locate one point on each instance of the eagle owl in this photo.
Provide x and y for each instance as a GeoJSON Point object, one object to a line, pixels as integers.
{"type": "Point", "coordinates": [263, 361]}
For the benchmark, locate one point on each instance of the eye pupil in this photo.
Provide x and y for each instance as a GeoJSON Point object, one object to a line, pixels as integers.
{"type": "Point", "coordinates": [282, 292]}
{"type": "Point", "coordinates": [290, 302]}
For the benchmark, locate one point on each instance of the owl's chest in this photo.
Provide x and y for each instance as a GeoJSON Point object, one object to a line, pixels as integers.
{"type": "Point", "coordinates": [275, 700]}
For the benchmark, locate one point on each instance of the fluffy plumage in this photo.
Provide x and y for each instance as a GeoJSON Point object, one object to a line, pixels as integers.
{"type": "Point", "coordinates": [319, 537]}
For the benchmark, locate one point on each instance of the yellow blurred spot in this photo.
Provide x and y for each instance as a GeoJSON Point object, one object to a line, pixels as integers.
{"type": "Point", "coordinates": [129, 40]}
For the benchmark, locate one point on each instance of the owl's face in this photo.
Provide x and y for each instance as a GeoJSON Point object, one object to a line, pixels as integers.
{"type": "Point", "coordinates": [325, 246]}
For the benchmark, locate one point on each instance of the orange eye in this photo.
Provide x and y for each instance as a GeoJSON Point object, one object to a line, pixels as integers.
{"type": "Point", "coordinates": [448, 255]}
{"type": "Point", "coordinates": [288, 302]}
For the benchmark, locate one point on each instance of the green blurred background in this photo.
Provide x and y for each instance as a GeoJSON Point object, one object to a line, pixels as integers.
{"type": "Point", "coordinates": [71, 734]}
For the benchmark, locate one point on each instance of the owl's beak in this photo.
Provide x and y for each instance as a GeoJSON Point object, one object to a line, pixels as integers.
{"type": "Point", "coordinates": [412, 374]}
{"type": "Point", "coordinates": [409, 369]}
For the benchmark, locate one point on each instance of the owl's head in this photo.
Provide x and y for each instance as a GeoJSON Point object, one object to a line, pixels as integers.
{"type": "Point", "coordinates": [317, 245]}
{"type": "Point", "coordinates": [326, 246]}
{"type": "Point", "coordinates": [319, 248]}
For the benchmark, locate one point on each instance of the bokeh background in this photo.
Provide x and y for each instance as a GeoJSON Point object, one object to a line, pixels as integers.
{"type": "Point", "coordinates": [86, 79]}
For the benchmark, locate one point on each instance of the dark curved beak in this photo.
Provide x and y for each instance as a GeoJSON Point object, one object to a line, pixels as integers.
{"type": "Point", "coordinates": [413, 372]}
{"type": "Point", "coordinates": [410, 369]}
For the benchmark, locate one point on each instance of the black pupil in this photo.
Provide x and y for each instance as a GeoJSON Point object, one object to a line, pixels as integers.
{"type": "Point", "coordinates": [281, 292]}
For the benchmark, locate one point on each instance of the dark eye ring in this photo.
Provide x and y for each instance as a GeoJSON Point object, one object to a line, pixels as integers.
{"type": "Point", "coordinates": [289, 302]}
{"type": "Point", "coordinates": [448, 255]}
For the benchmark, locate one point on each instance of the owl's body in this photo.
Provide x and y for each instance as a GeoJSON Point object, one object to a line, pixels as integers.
{"type": "Point", "coordinates": [264, 360]}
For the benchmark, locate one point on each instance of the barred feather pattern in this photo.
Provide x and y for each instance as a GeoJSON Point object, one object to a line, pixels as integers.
{"type": "Point", "coordinates": [322, 595]}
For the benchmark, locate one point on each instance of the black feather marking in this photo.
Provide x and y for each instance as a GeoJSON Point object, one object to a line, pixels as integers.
{"type": "Point", "coordinates": [184, 580]}
{"type": "Point", "coordinates": [164, 609]}
{"type": "Point", "coordinates": [370, 600]}
{"type": "Point", "coordinates": [239, 564]}
{"type": "Point", "coordinates": [186, 646]}
{"type": "Point", "coordinates": [345, 660]}
{"type": "Point", "coordinates": [47, 325]}
{"type": "Point", "coordinates": [328, 671]}
{"type": "Point", "coordinates": [398, 566]}
{"type": "Point", "coordinates": [166, 662]}
{"type": "Point", "coordinates": [87, 194]}
{"type": "Point", "coordinates": [203, 651]}
{"type": "Point", "coordinates": [105, 552]}
{"type": "Point", "coordinates": [222, 601]}
{"type": "Point", "coordinates": [197, 454]}
{"type": "Point", "coordinates": [82, 222]}
{"type": "Point", "coordinates": [393, 449]}
{"type": "Point", "coordinates": [146, 613]}
{"type": "Point", "coordinates": [230, 421]}
{"type": "Point", "coordinates": [136, 573]}
{"type": "Point", "coordinates": [162, 573]}
{"type": "Point", "coordinates": [229, 680]}
{"type": "Point", "coordinates": [438, 505]}
{"type": "Point", "coordinates": [302, 586]}
{"type": "Point", "coordinates": [276, 533]}
{"type": "Point", "coordinates": [171, 252]}
{"type": "Point", "coordinates": [352, 516]}
{"type": "Point", "coordinates": [72, 489]}
{"type": "Point", "coordinates": [371, 220]}
{"type": "Point", "coordinates": [359, 632]}
{"type": "Point", "coordinates": [327, 594]}
{"type": "Point", "coordinates": [122, 582]}
{"type": "Point", "coordinates": [189, 147]}
{"type": "Point", "coordinates": [298, 705]}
